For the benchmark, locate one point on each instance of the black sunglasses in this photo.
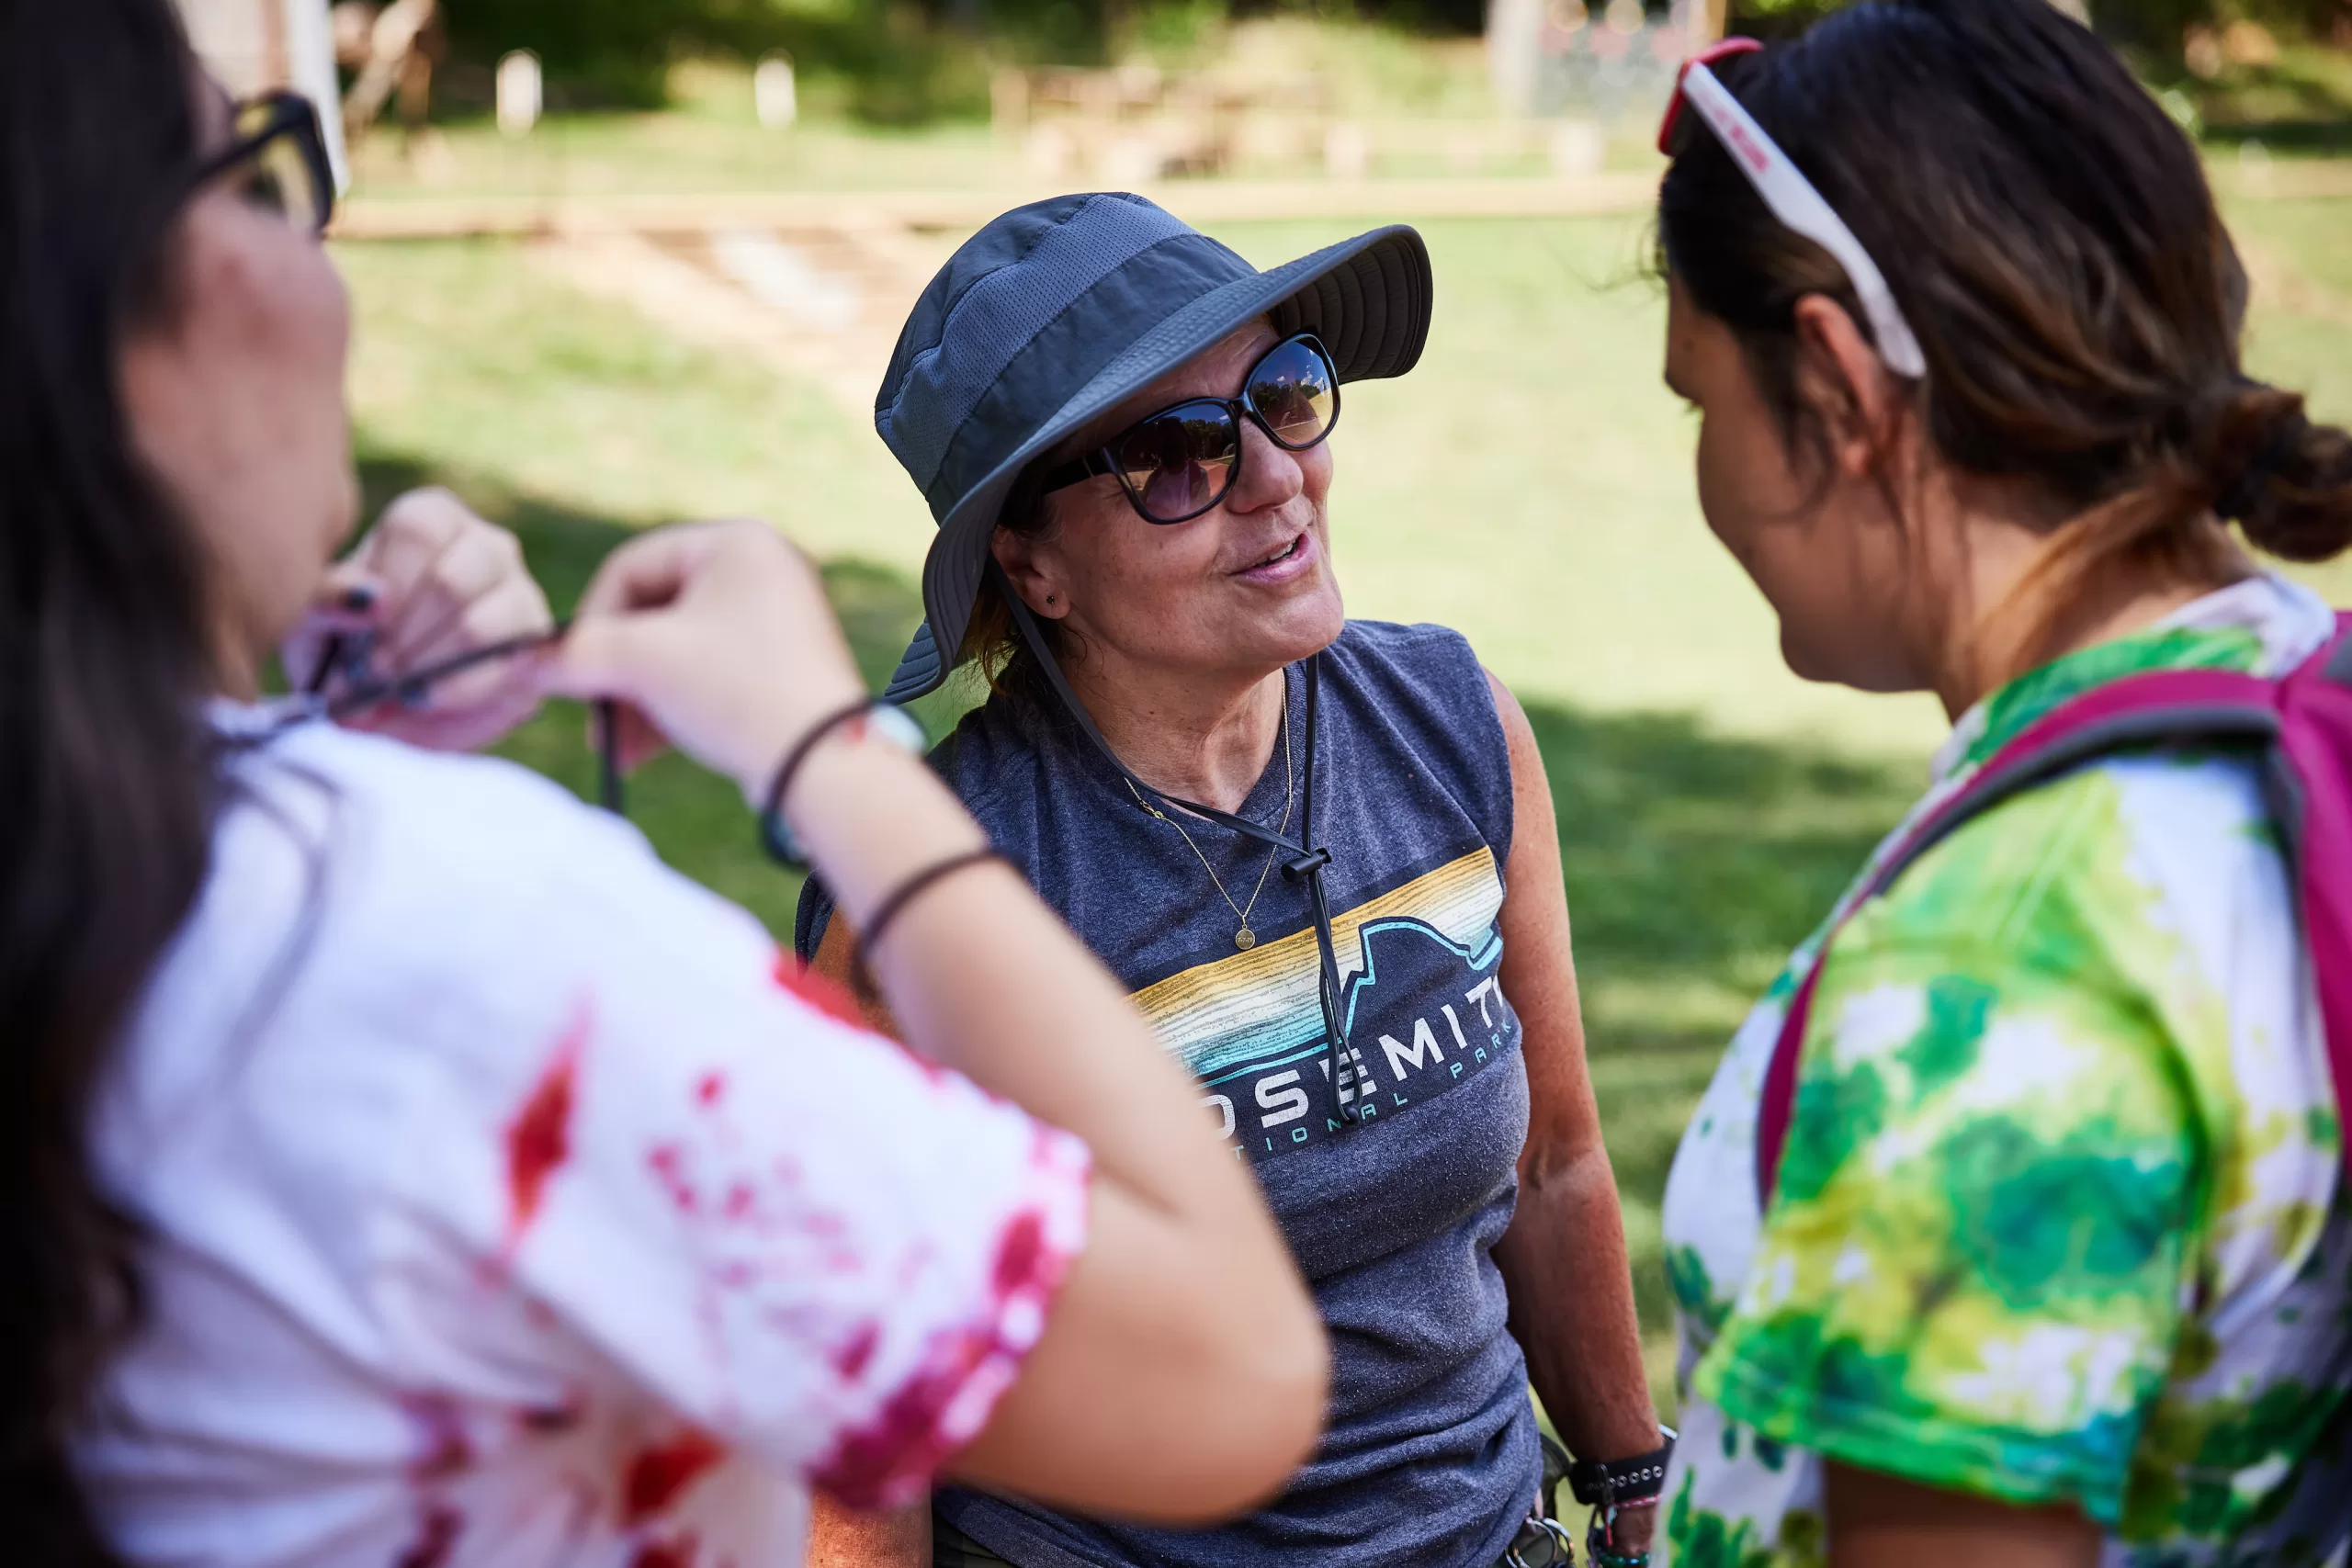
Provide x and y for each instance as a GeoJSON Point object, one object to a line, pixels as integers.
{"type": "Point", "coordinates": [1179, 462]}
{"type": "Point", "coordinates": [279, 158]}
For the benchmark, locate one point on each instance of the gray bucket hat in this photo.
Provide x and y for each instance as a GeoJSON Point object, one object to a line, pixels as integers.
{"type": "Point", "coordinates": [1058, 311]}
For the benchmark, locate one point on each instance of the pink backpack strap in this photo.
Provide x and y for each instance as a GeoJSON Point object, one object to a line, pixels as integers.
{"type": "Point", "coordinates": [2302, 723]}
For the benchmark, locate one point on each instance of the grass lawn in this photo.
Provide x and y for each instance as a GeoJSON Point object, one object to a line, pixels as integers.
{"type": "Point", "coordinates": [1529, 484]}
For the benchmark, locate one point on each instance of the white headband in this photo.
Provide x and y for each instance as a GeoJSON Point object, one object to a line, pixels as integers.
{"type": "Point", "coordinates": [1796, 203]}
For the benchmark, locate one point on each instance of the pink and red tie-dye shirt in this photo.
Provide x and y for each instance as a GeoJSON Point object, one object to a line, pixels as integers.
{"type": "Point", "coordinates": [514, 1204]}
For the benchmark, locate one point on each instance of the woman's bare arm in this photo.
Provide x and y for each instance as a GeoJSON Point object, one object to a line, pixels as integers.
{"type": "Point", "coordinates": [1174, 1307]}
{"type": "Point", "coordinates": [1182, 1372]}
{"type": "Point", "coordinates": [1877, 1521]}
{"type": "Point", "coordinates": [1563, 1259]}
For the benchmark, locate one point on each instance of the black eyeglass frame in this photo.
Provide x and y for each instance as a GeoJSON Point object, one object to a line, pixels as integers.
{"type": "Point", "coordinates": [285, 113]}
{"type": "Point", "coordinates": [1100, 462]}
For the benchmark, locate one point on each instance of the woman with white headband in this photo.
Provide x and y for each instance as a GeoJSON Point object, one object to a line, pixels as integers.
{"type": "Point", "coordinates": [2013, 1228]}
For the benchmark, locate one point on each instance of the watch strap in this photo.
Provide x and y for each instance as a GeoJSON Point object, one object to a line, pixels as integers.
{"type": "Point", "coordinates": [1598, 1483]}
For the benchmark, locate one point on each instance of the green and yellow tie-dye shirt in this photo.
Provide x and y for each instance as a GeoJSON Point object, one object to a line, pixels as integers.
{"type": "Point", "coordinates": [2060, 1217]}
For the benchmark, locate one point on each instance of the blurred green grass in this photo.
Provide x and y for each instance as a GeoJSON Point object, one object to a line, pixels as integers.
{"type": "Point", "coordinates": [1529, 484]}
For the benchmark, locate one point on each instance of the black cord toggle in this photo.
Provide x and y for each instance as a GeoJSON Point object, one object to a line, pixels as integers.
{"type": "Point", "coordinates": [1306, 865]}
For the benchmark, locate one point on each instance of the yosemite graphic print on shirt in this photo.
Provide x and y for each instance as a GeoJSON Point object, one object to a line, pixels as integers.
{"type": "Point", "coordinates": [1419, 1001]}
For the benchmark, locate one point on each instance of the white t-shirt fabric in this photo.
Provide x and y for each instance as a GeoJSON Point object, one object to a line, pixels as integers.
{"type": "Point", "coordinates": [513, 1201]}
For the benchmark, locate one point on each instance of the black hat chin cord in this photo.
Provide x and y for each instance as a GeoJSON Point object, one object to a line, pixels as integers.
{"type": "Point", "coordinates": [1299, 862]}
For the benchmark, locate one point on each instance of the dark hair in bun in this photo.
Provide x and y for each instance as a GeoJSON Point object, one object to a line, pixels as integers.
{"type": "Point", "coordinates": [2284, 480]}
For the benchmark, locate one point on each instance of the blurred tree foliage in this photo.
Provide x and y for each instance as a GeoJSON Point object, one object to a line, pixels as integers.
{"type": "Point", "coordinates": [907, 56]}
{"type": "Point", "coordinates": [617, 52]}
{"type": "Point", "coordinates": [2153, 28]}
{"type": "Point", "coordinates": [910, 60]}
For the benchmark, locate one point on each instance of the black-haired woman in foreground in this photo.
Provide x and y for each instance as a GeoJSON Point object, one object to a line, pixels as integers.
{"type": "Point", "coordinates": [2056, 1263]}
{"type": "Point", "coordinates": [398, 1164]}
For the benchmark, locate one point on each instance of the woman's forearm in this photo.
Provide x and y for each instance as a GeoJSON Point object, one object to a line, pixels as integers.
{"type": "Point", "coordinates": [1185, 1299]}
{"type": "Point", "coordinates": [1562, 1261]}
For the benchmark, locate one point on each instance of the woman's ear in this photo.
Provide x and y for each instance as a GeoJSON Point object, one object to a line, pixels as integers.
{"type": "Point", "coordinates": [1034, 567]}
{"type": "Point", "coordinates": [1850, 387]}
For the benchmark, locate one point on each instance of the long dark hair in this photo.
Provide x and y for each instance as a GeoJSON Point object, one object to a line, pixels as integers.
{"type": "Point", "coordinates": [107, 781]}
{"type": "Point", "coordinates": [2050, 237]}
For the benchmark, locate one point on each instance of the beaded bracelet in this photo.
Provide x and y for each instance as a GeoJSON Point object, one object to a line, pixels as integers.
{"type": "Point", "coordinates": [898, 897]}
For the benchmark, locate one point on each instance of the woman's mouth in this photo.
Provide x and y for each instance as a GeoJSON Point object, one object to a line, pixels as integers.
{"type": "Point", "coordinates": [1295, 556]}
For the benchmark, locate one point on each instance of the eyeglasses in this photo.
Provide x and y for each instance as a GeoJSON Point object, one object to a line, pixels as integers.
{"type": "Point", "coordinates": [279, 158]}
{"type": "Point", "coordinates": [1792, 196]}
{"type": "Point", "coordinates": [1179, 463]}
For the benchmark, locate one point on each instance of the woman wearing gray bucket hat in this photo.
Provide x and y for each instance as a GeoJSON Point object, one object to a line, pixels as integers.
{"type": "Point", "coordinates": [1320, 853]}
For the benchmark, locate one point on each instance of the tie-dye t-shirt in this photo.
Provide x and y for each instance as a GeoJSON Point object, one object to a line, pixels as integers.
{"type": "Point", "coordinates": [2060, 1216]}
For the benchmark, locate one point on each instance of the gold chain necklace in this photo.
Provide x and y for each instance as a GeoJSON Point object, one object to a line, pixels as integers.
{"type": "Point", "coordinates": [1245, 939]}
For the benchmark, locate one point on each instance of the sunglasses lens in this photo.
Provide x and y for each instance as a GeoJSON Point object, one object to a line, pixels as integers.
{"type": "Point", "coordinates": [1179, 463]}
{"type": "Point", "coordinates": [1293, 391]}
{"type": "Point", "coordinates": [278, 180]}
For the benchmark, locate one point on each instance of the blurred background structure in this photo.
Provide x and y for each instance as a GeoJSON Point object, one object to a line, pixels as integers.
{"type": "Point", "coordinates": [621, 261]}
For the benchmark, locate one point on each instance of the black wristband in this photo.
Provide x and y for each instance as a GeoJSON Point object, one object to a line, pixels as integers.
{"type": "Point", "coordinates": [904, 893]}
{"type": "Point", "coordinates": [772, 837]}
{"type": "Point", "coordinates": [1638, 1479]}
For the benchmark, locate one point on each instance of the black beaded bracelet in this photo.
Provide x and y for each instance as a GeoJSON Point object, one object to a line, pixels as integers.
{"type": "Point", "coordinates": [1638, 1479]}
{"type": "Point", "coordinates": [904, 893]}
{"type": "Point", "coordinates": [773, 838]}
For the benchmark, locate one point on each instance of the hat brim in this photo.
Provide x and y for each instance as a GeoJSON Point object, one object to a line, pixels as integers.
{"type": "Point", "coordinates": [1368, 298]}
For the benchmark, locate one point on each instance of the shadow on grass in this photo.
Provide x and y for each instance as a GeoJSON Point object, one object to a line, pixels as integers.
{"type": "Point", "coordinates": [2317, 138]}
{"type": "Point", "coordinates": [1694, 862]}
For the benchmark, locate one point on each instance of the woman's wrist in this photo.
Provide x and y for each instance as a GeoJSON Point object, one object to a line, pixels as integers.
{"type": "Point", "coordinates": [869, 814]}
{"type": "Point", "coordinates": [770, 742]}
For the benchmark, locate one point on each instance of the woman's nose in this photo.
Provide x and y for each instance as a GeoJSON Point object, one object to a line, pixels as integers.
{"type": "Point", "coordinates": [1271, 473]}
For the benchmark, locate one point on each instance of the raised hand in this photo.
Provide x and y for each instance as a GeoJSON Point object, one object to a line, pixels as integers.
{"type": "Point", "coordinates": [715, 637]}
{"type": "Point", "coordinates": [430, 582]}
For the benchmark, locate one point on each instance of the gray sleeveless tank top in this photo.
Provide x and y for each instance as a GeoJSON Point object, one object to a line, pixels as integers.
{"type": "Point", "coordinates": [1430, 1459]}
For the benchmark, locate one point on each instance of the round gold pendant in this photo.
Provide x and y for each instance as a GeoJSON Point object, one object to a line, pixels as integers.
{"type": "Point", "coordinates": [1245, 939]}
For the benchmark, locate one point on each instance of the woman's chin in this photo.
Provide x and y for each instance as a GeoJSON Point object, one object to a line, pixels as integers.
{"type": "Point", "coordinates": [1305, 626]}
{"type": "Point", "coordinates": [1857, 669]}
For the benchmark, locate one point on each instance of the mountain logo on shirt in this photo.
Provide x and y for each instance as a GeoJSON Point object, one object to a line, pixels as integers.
{"type": "Point", "coordinates": [1423, 1013]}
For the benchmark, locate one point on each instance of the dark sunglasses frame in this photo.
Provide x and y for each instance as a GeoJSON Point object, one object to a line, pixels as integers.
{"type": "Point", "coordinates": [284, 113]}
{"type": "Point", "coordinates": [1102, 460]}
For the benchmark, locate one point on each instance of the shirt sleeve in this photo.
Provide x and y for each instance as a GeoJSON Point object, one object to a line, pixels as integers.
{"type": "Point", "coordinates": [1972, 1273]}
{"type": "Point", "coordinates": [789, 1232]}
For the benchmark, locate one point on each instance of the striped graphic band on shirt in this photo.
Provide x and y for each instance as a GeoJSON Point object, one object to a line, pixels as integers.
{"type": "Point", "coordinates": [1244, 1011]}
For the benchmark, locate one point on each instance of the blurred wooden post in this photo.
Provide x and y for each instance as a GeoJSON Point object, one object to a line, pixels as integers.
{"type": "Point", "coordinates": [1512, 62]}
{"type": "Point", "coordinates": [1707, 20]}
{"type": "Point", "coordinates": [518, 91]}
{"type": "Point", "coordinates": [775, 96]}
